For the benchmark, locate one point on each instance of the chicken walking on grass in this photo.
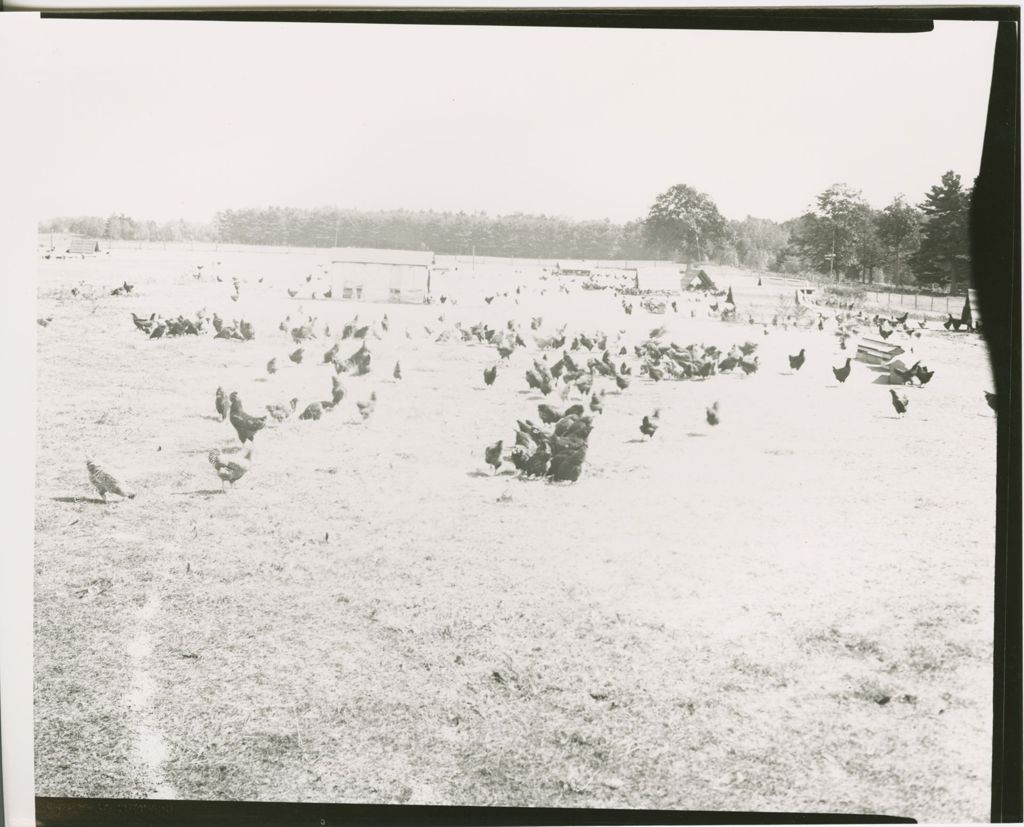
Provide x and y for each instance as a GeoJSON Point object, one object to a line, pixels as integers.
{"type": "Point", "coordinates": [900, 403]}
{"type": "Point", "coordinates": [245, 425]}
{"type": "Point", "coordinates": [711, 414]}
{"type": "Point", "coordinates": [797, 362]}
{"type": "Point", "coordinates": [492, 455]}
{"type": "Point", "coordinates": [222, 404]}
{"type": "Point", "coordinates": [105, 482]}
{"type": "Point", "coordinates": [649, 425]}
{"type": "Point", "coordinates": [232, 469]}
{"type": "Point", "coordinates": [843, 373]}
{"type": "Point", "coordinates": [490, 374]}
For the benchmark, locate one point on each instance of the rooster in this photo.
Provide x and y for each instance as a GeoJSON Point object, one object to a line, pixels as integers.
{"type": "Point", "coordinates": [797, 362]}
{"type": "Point", "coordinates": [105, 482]}
{"type": "Point", "coordinates": [843, 373]}
{"type": "Point", "coordinates": [245, 425]}
{"type": "Point", "coordinates": [230, 470]}
{"type": "Point", "coordinates": [900, 403]}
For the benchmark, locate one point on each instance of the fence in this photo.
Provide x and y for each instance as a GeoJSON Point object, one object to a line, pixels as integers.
{"type": "Point", "coordinates": [915, 301]}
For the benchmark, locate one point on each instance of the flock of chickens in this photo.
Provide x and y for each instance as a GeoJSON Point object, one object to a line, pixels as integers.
{"type": "Point", "coordinates": [582, 377]}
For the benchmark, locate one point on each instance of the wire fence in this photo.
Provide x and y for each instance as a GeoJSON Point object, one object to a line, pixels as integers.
{"type": "Point", "coordinates": [916, 301]}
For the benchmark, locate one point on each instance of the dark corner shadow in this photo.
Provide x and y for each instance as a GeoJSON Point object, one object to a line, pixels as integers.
{"type": "Point", "coordinates": [93, 500]}
{"type": "Point", "coordinates": [83, 812]}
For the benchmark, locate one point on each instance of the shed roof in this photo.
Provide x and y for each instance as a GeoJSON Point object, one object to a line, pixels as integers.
{"type": "Point", "coordinates": [367, 255]}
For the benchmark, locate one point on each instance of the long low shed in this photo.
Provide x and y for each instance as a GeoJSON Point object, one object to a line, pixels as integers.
{"type": "Point", "coordinates": [382, 275]}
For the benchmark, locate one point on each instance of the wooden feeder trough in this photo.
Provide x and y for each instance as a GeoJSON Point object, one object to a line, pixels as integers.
{"type": "Point", "coordinates": [877, 352]}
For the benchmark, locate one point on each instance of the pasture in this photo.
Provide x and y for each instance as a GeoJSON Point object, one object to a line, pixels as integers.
{"type": "Point", "coordinates": [789, 611]}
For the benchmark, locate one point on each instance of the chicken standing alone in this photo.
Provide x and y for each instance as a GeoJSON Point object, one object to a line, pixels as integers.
{"type": "Point", "coordinates": [797, 362]}
{"type": "Point", "coordinates": [711, 414]}
{"type": "Point", "coordinates": [648, 427]}
{"type": "Point", "coordinates": [366, 408]}
{"type": "Point", "coordinates": [233, 469]}
{"type": "Point", "coordinates": [490, 374]}
{"type": "Point", "coordinates": [843, 373]}
{"type": "Point", "coordinates": [900, 403]}
{"type": "Point", "coordinates": [105, 482]}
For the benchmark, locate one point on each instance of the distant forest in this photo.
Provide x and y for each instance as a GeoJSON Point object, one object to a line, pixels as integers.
{"type": "Point", "coordinates": [841, 236]}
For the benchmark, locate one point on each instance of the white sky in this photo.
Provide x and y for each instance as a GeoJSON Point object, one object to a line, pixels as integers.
{"type": "Point", "coordinates": [169, 119]}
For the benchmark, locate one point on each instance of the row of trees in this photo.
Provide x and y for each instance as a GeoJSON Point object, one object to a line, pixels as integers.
{"type": "Point", "coordinates": [842, 236]}
{"type": "Point", "coordinates": [120, 227]}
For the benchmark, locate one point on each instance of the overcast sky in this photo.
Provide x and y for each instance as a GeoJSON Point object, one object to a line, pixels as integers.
{"type": "Point", "coordinates": [169, 119]}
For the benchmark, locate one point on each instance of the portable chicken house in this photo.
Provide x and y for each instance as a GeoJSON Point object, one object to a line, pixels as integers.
{"type": "Point", "coordinates": [382, 275]}
{"type": "Point", "coordinates": [82, 246]}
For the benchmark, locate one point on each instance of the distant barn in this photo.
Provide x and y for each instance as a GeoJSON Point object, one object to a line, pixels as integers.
{"type": "Point", "coordinates": [83, 246]}
{"type": "Point", "coordinates": [382, 275]}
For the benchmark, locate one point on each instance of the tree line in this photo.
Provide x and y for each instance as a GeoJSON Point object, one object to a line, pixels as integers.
{"type": "Point", "coordinates": [841, 236]}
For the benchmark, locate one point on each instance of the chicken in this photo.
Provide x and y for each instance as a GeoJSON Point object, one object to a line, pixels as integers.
{"type": "Point", "coordinates": [711, 414]}
{"type": "Point", "coordinates": [648, 426]}
{"type": "Point", "coordinates": [272, 367]}
{"type": "Point", "coordinates": [282, 412]}
{"type": "Point", "coordinates": [330, 354]}
{"type": "Point", "coordinates": [296, 356]}
{"type": "Point", "coordinates": [884, 333]}
{"type": "Point", "coordinates": [900, 403]}
{"type": "Point", "coordinates": [337, 390]}
{"type": "Point", "coordinates": [366, 408]}
{"type": "Point", "coordinates": [797, 362]}
{"type": "Point", "coordinates": [158, 331]}
{"type": "Point", "coordinates": [924, 376]}
{"type": "Point", "coordinates": [490, 374]}
{"type": "Point", "coordinates": [397, 372]}
{"type": "Point", "coordinates": [222, 404]}
{"type": "Point", "coordinates": [245, 425]}
{"type": "Point", "coordinates": [597, 403]}
{"type": "Point", "coordinates": [492, 454]}
{"type": "Point", "coordinates": [105, 482]}
{"type": "Point", "coordinates": [843, 373]}
{"type": "Point", "coordinates": [621, 382]}
{"type": "Point", "coordinates": [312, 411]}
{"type": "Point", "coordinates": [233, 469]}
{"type": "Point", "coordinates": [567, 457]}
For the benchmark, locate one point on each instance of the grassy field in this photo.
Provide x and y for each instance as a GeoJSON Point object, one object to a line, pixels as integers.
{"type": "Point", "coordinates": [792, 611]}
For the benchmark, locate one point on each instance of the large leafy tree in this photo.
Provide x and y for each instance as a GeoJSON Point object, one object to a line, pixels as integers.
{"type": "Point", "coordinates": [944, 255]}
{"type": "Point", "coordinates": [683, 221]}
{"type": "Point", "coordinates": [898, 228]}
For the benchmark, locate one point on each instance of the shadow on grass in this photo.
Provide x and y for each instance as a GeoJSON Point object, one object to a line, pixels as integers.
{"type": "Point", "coordinates": [696, 433]}
{"type": "Point", "coordinates": [638, 440]}
{"type": "Point", "coordinates": [93, 500]}
{"type": "Point", "coordinates": [203, 492]}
